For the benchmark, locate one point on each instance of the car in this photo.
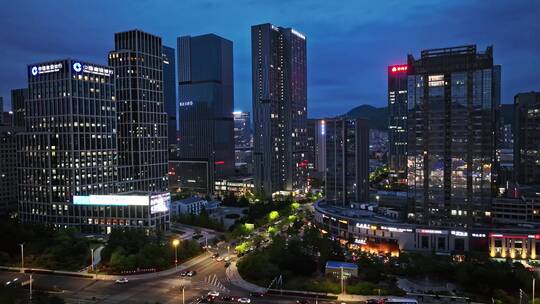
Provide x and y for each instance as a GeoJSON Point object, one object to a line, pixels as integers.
{"type": "Point", "coordinates": [302, 301]}
{"type": "Point", "coordinates": [228, 298]}
{"type": "Point", "coordinates": [215, 255]}
{"type": "Point", "coordinates": [219, 259]}
{"type": "Point", "coordinates": [257, 294]}
{"type": "Point", "coordinates": [191, 273]}
{"type": "Point", "coordinates": [213, 293]}
{"type": "Point", "coordinates": [227, 259]}
{"type": "Point", "coordinates": [122, 281]}
{"type": "Point", "coordinates": [184, 273]}
{"type": "Point", "coordinates": [244, 300]}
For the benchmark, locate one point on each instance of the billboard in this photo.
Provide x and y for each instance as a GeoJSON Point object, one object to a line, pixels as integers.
{"type": "Point", "coordinates": [111, 200]}
{"type": "Point", "coordinates": [160, 202]}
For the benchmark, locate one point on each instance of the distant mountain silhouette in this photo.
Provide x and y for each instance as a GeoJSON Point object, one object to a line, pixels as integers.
{"type": "Point", "coordinates": [377, 117]}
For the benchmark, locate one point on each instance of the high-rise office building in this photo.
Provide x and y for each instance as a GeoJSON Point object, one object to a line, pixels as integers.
{"type": "Point", "coordinates": [69, 144]}
{"type": "Point", "coordinates": [242, 130]}
{"type": "Point", "coordinates": [243, 142]}
{"type": "Point", "coordinates": [142, 120]}
{"type": "Point", "coordinates": [279, 88]}
{"type": "Point", "coordinates": [8, 170]}
{"type": "Point", "coordinates": [169, 97]}
{"type": "Point", "coordinates": [453, 102]}
{"type": "Point", "coordinates": [18, 98]}
{"type": "Point", "coordinates": [347, 161]}
{"type": "Point", "coordinates": [316, 145]}
{"type": "Point", "coordinates": [206, 90]}
{"type": "Point", "coordinates": [397, 119]}
{"type": "Point", "coordinates": [527, 138]}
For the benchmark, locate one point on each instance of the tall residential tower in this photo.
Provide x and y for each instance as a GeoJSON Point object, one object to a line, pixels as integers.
{"type": "Point", "coordinates": [279, 88]}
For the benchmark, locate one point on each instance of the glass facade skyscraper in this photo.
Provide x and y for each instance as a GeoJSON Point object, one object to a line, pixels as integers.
{"type": "Point", "coordinates": [527, 138]}
{"type": "Point", "coordinates": [397, 119]}
{"type": "Point", "coordinates": [18, 98]}
{"type": "Point", "coordinates": [169, 96]}
{"type": "Point", "coordinates": [279, 88]}
{"type": "Point", "coordinates": [453, 99]}
{"type": "Point", "coordinates": [69, 146]}
{"type": "Point", "coordinates": [142, 120]}
{"type": "Point", "coordinates": [205, 72]}
{"type": "Point", "coordinates": [347, 161]}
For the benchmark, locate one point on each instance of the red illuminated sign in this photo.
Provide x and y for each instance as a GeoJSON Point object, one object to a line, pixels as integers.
{"type": "Point", "coordinates": [220, 162]}
{"type": "Point", "coordinates": [398, 68]}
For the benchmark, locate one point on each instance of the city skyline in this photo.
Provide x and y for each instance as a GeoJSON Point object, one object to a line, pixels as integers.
{"type": "Point", "coordinates": [388, 41]}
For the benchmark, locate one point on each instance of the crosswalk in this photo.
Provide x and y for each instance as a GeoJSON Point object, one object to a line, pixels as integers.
{"type": "Point", "coordinates": [211, 282]}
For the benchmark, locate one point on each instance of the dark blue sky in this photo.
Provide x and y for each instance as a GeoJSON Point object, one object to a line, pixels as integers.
{"type": "Point", "coordinates": [350, 43]}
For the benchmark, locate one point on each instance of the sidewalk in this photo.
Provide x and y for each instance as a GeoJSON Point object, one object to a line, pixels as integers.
{"type": "Point", "coordinates": [234, 277]}
{"type": "Point", "coordinates": [105, 277]}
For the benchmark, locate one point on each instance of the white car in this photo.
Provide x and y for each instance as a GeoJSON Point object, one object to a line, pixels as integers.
{"type": "Point", "coordinates": [219, 259]}
{"type": "Point", "coordinates": [244, 300]}
{"type": "Point", "coordinates": [122, 281]}
{"type": "Point", "coordinates": [213, 293]}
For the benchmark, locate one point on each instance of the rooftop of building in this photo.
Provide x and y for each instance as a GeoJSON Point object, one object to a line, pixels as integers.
{"type": "Point", "coordinates": [189, 200]}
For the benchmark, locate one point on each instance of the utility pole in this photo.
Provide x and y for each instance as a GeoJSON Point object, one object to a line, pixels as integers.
{"type": "Point", "coordinates": [534, 283]}
{"type": "Point", "coordinates": [92, 251]}
{"type": "Point", "coordinates": [341, 277]}
{"type": "Point", "coordinates": [30, 288]}
{"type": "Point", "coordinates": [22, 257]}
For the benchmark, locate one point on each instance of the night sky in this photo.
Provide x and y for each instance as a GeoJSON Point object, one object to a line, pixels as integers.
{"type": "Point", "coordinates": [350, 43]}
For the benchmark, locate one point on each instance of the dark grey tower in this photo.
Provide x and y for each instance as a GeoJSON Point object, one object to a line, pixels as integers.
{"type": "Point", "coordinates": [397, 120]}
{"type": "Point", "coordinates": [142, 120]}
{"type": "Point", "coordinates": [169, 96]}
{"type": "Point", "coordinates": [206, 90]}
{"type": "Point", "coordinates": [279, 88]}
{"type": "Point", "coordinates": [453, 100]}
{"type": "Point", "coordinates": [347, 161]}
{"type": "Point", "coordinates": [18, 99]}
{"type": "Point", "coordinates": [527, 138]}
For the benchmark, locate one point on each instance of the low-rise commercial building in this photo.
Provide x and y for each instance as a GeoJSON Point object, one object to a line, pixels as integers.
{"type": "Point", "coordinates": [191, 205]}
{"type": "Point", "coordinates": [373, 232]}
{"type": "Point", "coordinates": [238, 186]}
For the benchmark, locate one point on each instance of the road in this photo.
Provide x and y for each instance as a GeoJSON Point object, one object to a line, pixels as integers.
{"type": "Point", "coordinates": [210, 276]}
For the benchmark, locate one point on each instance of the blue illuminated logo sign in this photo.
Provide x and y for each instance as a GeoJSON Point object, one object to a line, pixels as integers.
{"type": "Point", "coordinates": [77, 67]}
{"type": "Point", "coordinates": [34, 70]}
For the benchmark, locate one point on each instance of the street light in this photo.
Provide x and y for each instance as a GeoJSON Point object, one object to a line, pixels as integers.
{"type": "Point", "coordinates": [92, 250]}
{"type": "Point", "coordinates": [22, 257]}
{"type": "Point", "coordinates": [175, 243]}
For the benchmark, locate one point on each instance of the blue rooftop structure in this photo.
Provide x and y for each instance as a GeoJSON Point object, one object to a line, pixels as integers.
{"type": "Point", "coordinates": [336, 264]}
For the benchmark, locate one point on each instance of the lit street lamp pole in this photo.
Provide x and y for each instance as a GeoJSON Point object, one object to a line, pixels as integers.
{"type": "Point", "coordinates": [92, 250]}
{"type": "Point", "coordinates": [30, 288]}
{"type": "Point", "coordinates": [175, 244]}
{"type": "Point", "coordinates": [22, 257]}
{"type": "Point", "coordinates": [534, 283]}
